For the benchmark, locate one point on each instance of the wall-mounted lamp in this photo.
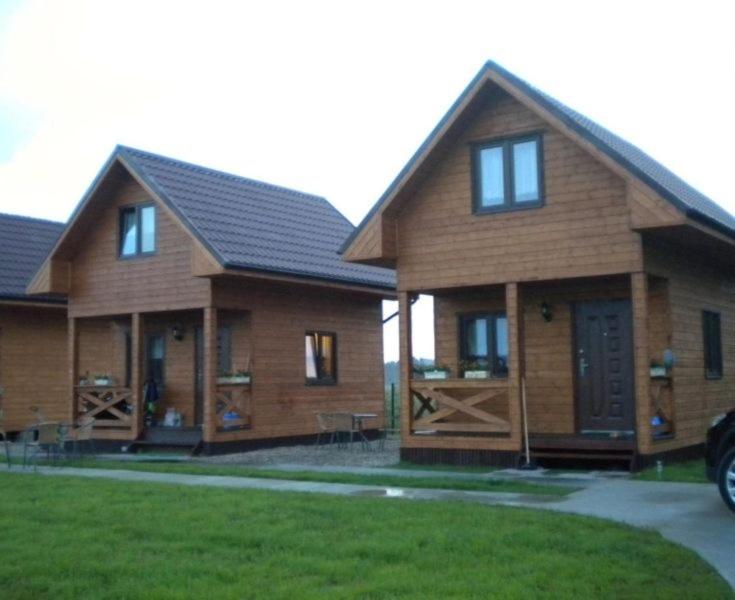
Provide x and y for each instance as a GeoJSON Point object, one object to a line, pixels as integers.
{"type": "Point", "coordinates": [546, 312]}
{"type": "Point", "coordinates": [177, 331]}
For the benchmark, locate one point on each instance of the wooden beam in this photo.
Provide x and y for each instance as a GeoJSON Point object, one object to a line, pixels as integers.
{"type": "Point", "coordinates": [73, 362]}
{"type": "Point", "coordinates": [209, 416]}
{"type": "Point", "coordinates": [136, 372]}
{"type": "Point", "coordinates": [641, 357]}
{"type": "Point", "coordinates": [514, 312]}
{"type": "Point", "coordinates": [406, 362]}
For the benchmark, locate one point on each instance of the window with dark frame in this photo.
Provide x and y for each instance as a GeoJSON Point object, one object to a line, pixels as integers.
{"type": "Point", "coordinates": [137, 230]}
{"type": "Point", "coordinates": [712, 338]}
{"type": "Point", "coordinates": [321, 358]}
{"type": "Point", "coordinates": [507, 174]}
{"type": "Point", "coordinates": [484, 343]}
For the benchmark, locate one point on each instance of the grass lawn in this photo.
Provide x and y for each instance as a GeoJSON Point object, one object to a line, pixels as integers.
{"type": "Point", "coordinates": [691, 471]}
{"type": "Point", "coordinates": [76, 538]}
{"type": "Point", "coordinates": [442, 467]}
{"type": "Point", "coordinates": [445, 483]}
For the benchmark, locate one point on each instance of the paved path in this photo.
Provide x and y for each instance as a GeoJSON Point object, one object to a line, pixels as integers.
{"type": "Point", "coordinates": [688, 513]}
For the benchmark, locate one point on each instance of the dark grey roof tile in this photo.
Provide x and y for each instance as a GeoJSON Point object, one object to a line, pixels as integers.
{"type": "Point", "coordinates": [254, 225]}
{"type": "Point", "coordinates": [24, 244]}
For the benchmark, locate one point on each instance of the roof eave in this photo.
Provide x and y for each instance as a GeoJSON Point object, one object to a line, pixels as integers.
{"type": "Point", "coordinates": [375, 287]}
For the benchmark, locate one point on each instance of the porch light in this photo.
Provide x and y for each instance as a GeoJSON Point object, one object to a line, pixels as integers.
{"type": "Point", "coordinates": [177, 332]}
{"type": "Point", "coordinates": [546, 312]}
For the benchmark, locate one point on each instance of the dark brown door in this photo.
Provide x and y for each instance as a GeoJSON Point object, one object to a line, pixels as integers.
{"type": "Point", "coordinates": [604, 363]}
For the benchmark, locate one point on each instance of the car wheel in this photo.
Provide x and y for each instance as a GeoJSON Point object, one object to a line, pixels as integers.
{"type": "Point", "coordinates": [726, 478]}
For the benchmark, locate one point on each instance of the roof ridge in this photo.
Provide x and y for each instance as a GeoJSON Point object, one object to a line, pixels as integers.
{"type": "Point", "coordinates": [217, 172]}
{"type": "Point", "coordinates": [4, 215]}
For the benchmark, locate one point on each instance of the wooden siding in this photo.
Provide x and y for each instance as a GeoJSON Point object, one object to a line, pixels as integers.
{"type": "Point", "coordinates": [101, 283]}
{"type": "Point", "coordinates": [282, 403]}
{"type": "Point", "coordinates": [694, 284]}
{"type": "Point", "coordinates": [33, 364]}
{"type": "Point", "coordinates": [583, 229]}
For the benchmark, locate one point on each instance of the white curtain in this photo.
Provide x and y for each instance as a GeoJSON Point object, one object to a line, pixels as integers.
{"type": "Point", "coordinates": [311, 371]}
{"type": "Point", "coordinates": [491, 175]}
{"type": "Point", "coordinates": [525, 171]}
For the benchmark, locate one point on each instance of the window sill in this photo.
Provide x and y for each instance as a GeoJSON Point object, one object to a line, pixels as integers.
{"type": "Point", "coordinates": [493, 210]}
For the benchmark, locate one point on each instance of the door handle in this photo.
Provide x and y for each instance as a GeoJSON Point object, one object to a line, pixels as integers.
{"type": "Point", "coordinates": [583, 364]}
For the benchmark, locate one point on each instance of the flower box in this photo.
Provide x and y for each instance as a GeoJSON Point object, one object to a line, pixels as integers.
{"type": "Point", "coordinates": [233, 379]}
{"type": "Point", "coordinates": [658, 372]}
{"type": "Point", "coordinates": [436, 374]}
{"type": "Point", "coordinates": [477, 374]}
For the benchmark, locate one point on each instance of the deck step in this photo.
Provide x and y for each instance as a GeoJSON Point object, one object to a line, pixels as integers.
{"type": "Point", "coordinates": [169, 438]}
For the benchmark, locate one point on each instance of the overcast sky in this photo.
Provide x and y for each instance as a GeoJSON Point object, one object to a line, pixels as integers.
{"type": "Point", "coordinates": [332, 98]}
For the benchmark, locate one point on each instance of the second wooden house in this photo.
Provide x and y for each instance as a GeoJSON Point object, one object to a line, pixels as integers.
{"type": "Point", "coordinates": [564, 260]}
{"type": "Point", "coordinates": [225, 295]}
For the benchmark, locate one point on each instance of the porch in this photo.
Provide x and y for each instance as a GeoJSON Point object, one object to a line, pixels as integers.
{"type": "Point", "coordinates": [582, 351]}
{"type": "Point", "coordinates": [162, 377]}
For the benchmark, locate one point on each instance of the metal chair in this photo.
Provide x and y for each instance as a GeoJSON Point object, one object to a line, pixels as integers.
{"type": "Point", "coordinates": [4, 438]}
{"type": "Point", "coordinates": [325, 426]}
{"type": "Point", "coordinates": [44, 436]}
{"type": "Point", "coordinates": [81, 433]}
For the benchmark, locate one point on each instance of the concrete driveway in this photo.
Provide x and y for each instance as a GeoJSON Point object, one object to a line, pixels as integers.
{"type": "Point", "coordinates": [690, 514]}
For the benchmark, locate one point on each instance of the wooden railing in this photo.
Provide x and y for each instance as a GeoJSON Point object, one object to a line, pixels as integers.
{"type": "Point", "coordinates": [232, 406]}
{"type": "Point", "coordinates": [111, 407]}
{"type": "Point", "coordinates": [460, 406]}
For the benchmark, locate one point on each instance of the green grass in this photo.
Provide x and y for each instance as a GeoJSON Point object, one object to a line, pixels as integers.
{"type": "Point", "coordinates": [443, 467]}
{"type": "Point", "coordinates": [691, 471]}
{"type": "Point", "coordinates": [443, 483]}
{"type": "Point", "coordinates": [65, 537]}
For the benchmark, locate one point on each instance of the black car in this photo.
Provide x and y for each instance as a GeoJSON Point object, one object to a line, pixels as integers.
{"type": "Point", "coordinates": [720, 456]}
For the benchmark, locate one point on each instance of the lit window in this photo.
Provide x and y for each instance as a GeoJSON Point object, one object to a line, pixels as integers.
{"type": "Point", "coordinates": [321, 357]}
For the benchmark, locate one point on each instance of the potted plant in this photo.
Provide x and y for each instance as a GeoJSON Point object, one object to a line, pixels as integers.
{"type": "Point", "coordinates": [433, 371]}
{"type": "Point", "coordinates": [238, 377]}
{"type": "Point", "coordinates": [474, 370]}
{"type": "Point", "coordinates": [102, 379]}
{"type": "Point", "coordinates": [658, 369]}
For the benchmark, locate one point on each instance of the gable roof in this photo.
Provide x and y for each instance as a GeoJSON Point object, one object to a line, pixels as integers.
{"type": "Point", "coordinates": [249, 225]}
{"type": "Point", "coordinates": [672, 188]}
{"type": "Point", "coordinates": [24, 243]}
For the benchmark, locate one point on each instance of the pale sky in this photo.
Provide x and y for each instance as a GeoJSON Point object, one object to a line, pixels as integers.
{"type": "Point", "coordinates": [333, 98]}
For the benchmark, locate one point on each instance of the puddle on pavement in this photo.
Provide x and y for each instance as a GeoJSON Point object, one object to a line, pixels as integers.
{"type": "Point", "coordinates": [385, 493]}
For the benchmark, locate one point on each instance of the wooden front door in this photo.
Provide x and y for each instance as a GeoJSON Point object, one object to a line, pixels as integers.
{"type": "Point", "coordinates": [604, 364]}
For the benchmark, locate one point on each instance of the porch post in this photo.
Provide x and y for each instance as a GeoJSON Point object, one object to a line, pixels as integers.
{"type": "Point", "coordinates": [136, 373]}
{"type": "Point", "coordinates": [209, 333]}
{"type": "Point", "coordinates": [514, 312]}
{"type": "Point", "coordinates": [73, 361]}
{"type": "Point", "coordinates": [406, 361]}
{"type": "Point", "coordinates": [639, 301]}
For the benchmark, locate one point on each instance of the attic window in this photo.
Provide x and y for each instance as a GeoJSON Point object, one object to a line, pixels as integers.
{"type": "Point", "coordinates": [138, 230]}
{"type": "Point", "coordinates": [507, 174]}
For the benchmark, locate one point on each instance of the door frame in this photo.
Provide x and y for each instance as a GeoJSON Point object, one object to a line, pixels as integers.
{"type": "Point", "coordinates": [574, 313]}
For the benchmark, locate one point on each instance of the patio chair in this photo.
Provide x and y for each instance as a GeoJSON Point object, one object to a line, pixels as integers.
{"type": "Point", "coordinates": [44, 436]}
{"type": "Point", "coordinates": [4, 438]}
{"type": "Point", "coordinates": [325, 426]}
{"type": "Point", "coordinates": [344, 425]}
{"type": "Point", "coordinates": [81, 433]}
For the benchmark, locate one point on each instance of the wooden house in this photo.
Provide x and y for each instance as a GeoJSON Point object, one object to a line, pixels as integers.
{"type": "Point", "coordinates": [32, 329]}
{"type": "Point", "coordinates": [562, 260]}
{"type": "Point", "coordinates": [226, 296]}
